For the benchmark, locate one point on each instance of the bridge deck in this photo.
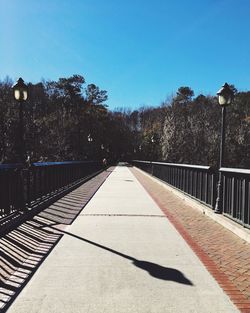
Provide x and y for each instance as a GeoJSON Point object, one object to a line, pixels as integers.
{"type": "Point", "coordinates": [121, 254]}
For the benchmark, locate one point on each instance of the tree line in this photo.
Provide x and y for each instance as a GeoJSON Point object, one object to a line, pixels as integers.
{"type": "Point", "coordinates": [69, 120]}
{"type": "Point", "coordinates": [187, 130]}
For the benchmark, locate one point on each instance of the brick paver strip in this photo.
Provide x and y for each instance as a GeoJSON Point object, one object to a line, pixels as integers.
{"type": "Point", "coordinates": [226, 256]}
{"type": "Point", "coordinates": [23, 249]}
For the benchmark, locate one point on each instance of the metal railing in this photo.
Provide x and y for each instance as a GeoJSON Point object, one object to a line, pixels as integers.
{"type": "Point", "coordinates": [22, 188]}
{"type": "Point", "coordinates": [10, 188]}
{"type": "Point", "coordinates": [200, 182]}
{"type": "Point", "coordinates": [194, 180]}
{"type": "Point", "coordinates": [236, 194]}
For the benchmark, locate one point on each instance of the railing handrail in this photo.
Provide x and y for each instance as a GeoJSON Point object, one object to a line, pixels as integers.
{"type": "Point", "coordinates": [222, 169]}
{"type": "Point", "coordinates": [9, 166]}
{"type": "Point", "coordinates": [38, 164]}
{"type": "Point", "coordinates": [235, 170]}
{"type": "Point", "coordinates": [201, 167]}
{"type": "Point", "coordinates": [62, 163]}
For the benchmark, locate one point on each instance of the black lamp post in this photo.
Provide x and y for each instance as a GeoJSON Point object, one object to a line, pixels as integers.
{"type": "Point", "coordinates": [102, 150]}
{"type": "Point", "coordinates": [153, 140]}
{"type": "Point", "coordinates": [20, 91]}
{"type": "Point", "coordinates": [140, 151]}
{"type": "Point", "coordinates": [90, 140]}
{"type": "Point", "coordinates": [225, 98]}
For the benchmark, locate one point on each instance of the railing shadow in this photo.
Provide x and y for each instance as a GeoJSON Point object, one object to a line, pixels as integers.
{"type": "Point", "coordinates": [22, 252]}
{"type": "Point", "coordinates": [23, 249]}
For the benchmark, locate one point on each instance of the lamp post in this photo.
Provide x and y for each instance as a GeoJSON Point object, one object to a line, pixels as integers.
{"type": "Point", "coordinates": [90, 140]}
{"type": "Point", "coordinates": [225, 98]}
{"type": "Point", "coordinates": [153, 145]}
{"type": "Point", "coordinates": [102, 150]}
{"type": "Point", "coordinates": [20, 91]}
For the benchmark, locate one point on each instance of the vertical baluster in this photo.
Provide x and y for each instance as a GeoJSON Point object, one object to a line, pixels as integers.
{"type": "Point", "coordinates": [28, 188]}
{"type": "Point", "coordinates": [213, 183]}
{"type": "Point", "coordinates": [244, 201]}
{"type": "Point", "coordinates": [206, 187]}
{"type": "Point", "coordinates": [232, 209]}
{"type": "Point", "coordinates": [201, 186]}
{"type": "Point", "coordinates": [224, 193]}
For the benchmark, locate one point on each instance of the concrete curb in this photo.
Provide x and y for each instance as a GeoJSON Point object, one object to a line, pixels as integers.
{"type": "Point", "coordinates": [237, 229]}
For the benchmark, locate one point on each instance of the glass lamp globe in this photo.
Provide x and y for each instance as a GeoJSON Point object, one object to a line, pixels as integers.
{"type": "Point", "coordinates": [20, 90]}
{"type": "Point", "coordinates": [225, 95]}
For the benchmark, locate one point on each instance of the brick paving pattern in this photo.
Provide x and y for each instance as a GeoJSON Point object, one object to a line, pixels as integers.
{"type": "Point", "coordinates": [23, 250]}
{"type": "Point", "coordinates": [225, 255]}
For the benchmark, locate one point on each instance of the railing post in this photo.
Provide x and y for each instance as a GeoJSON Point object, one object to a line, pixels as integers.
{"type": "Point", "coordinates": [21, 201]}
{"type": "Point", "coordinates": [152, 168]}
{"type": "Point", "coordinates": [28, 188]}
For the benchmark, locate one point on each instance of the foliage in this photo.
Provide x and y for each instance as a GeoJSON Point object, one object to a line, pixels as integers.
{"type": "Point", "coordinates": [191, 132]}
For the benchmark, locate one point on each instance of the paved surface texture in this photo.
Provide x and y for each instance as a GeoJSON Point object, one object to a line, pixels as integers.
{"type": "Point", "coordinates": [121, 254]}
{"type": "Point", "coordinates": [225, 255]}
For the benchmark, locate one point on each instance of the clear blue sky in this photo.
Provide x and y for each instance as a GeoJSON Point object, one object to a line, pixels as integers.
{"type": "Point", "coordinates": [140, 51]}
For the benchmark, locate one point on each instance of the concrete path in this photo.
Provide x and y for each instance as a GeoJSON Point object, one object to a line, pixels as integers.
{"type": "Point", "coordinates": [122, 255]}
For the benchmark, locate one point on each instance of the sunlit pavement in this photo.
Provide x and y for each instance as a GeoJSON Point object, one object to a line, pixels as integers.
{"type": "Point", "coordinates": [122, 254]}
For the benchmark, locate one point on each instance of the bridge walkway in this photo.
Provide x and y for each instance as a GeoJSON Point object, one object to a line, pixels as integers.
{"type": "Point", "coordinates": [124, 252]}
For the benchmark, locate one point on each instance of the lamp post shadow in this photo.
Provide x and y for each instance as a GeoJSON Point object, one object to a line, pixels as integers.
{"type": "Point", "coordinates": [161, 272]}
{"type": "Point", "coordinates": [153, 269]}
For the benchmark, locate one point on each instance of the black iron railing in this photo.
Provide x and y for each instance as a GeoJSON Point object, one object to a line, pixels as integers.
{"type": "Point", "coordinates": [200, 182]}
{"type": "Point", "coordinates": [194, 180]}
{"type": "Point", "coordinates": [22, 188]}
{"type": "Point", "coordinates": [236, 194]}
{"type": "Point", "coordinates": [11, 185]}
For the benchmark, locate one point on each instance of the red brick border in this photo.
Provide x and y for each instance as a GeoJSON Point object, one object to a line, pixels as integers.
{"type": "Point", "coordinates": [236, 296]}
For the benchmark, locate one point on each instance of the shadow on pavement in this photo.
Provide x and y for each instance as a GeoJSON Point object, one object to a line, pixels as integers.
{"type": "Point", "coordinates": [161, 272]}
{"type": "Point", "coordinates": [155, 270]}
{"type": "Point", "coordinates": [22, 252]}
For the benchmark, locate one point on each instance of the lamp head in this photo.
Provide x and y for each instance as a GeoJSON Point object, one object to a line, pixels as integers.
{"type": "Point", "coordinates": [90, 139]}
{"type": "Point", "coordinates": [225, 95]}
{"type": "Point", "coordinates": [20, 90]}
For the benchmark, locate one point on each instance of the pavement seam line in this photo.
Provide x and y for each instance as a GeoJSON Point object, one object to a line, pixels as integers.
{"type": "Point", "coordinates": [127, 215]}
